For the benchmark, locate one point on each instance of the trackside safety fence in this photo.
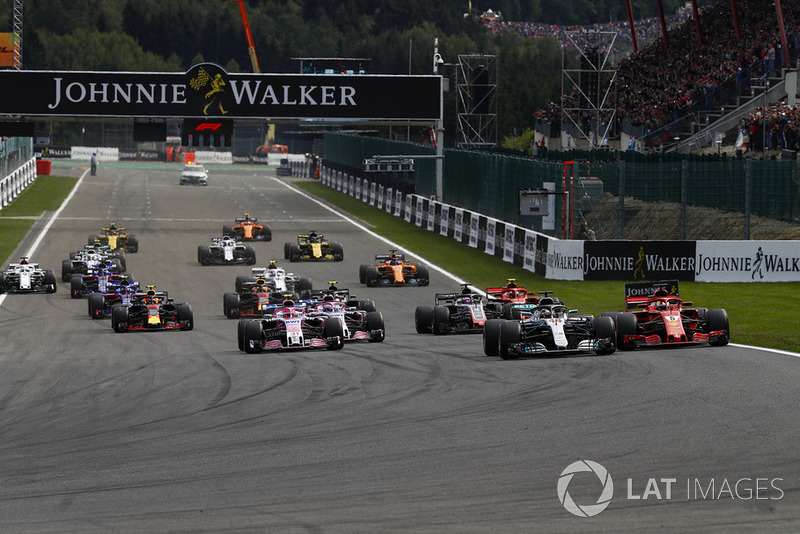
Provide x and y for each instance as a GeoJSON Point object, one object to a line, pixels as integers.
{"type": "Point", "coordinates": [13, 184]}
{"type": "Point", "coordinates": [706, 261]}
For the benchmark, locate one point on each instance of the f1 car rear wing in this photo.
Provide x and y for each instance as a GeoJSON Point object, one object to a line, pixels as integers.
{"type": "Point", "coordinates": [342, 295]}
{"type": "Point", "coordinates": [450, 298]}
{"type": "Point", "coordinates": [384, 257]}
{"type": "Point", "coordinates": [637, 294]}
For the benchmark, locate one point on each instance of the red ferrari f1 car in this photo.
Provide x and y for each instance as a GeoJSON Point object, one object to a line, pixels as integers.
{"type": "Point", "coordinates": [658, 316]}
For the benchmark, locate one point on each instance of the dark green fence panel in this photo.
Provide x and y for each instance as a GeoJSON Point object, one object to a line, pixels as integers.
{"type": "Point", "coordinates": [489, 183]}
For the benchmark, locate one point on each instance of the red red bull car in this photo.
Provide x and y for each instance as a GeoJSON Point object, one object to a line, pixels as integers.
{"type": "Point", "coordinates": [655, 315]}
{"type": "Point", "coordinates": [393, 270]}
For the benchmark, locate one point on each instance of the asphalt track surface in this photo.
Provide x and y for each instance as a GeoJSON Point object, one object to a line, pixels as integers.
{"type": "Point", "coordinates": [181, 432]}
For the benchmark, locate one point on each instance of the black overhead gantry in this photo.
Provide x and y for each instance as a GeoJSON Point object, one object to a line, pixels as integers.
{"type": "Point", "coordinates": [209, 101]}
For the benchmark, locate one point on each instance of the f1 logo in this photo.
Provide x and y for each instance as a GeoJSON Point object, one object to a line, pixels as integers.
{"type": "Point", "coordinates": [213, 126]}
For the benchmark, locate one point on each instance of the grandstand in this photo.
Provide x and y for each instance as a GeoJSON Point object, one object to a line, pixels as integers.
{"type": "Point", "coordinates": [717, 78]}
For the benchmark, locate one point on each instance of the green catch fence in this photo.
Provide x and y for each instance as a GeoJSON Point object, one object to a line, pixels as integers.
{"type": "Point", "coordinates": [489, 183]}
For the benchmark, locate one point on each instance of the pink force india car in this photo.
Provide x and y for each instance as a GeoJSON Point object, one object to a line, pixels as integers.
{"type": "Point", "coordinates": [290, 327]}
{"type": "Point", "coordinates": [655, 315]}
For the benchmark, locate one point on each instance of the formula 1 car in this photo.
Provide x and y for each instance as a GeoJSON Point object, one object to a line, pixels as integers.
{"type": "Point", "coordinates": [549, 329]}
{"type": "Point", "coordinates": [116, 238]}
{"type": "Point", "coordinates": [356, 323]}
{"type": "Point", "coordinates": [509, 300]}
{"type": "Point", "coordinates": [393, 270]}
{"type": "Point", "coordinates": [194, 174]}
{"type": "Point", "coordinates": [660, 317]}
{"type": "Point", "coordinates": [258, 294]}
{"type": "Point", "coordinates": [84, 261]}
{"type": "Point", "coordinates": [153, 310]}
{"type": "Point", "coordinates": [289, 327]}
{"type": "Point", "coordinates": [122, 293]}
{"type": "Point", "coordinates": [27, 277]}
{"type": "Point", "coordinates": [341, 295]}
{"type": "Point", "coordinates": [247, 228]}
{"type": "Point", "coordinates": [312, 247]}
{"type": "Point", "coordinates": [101, 279]}
{"type": "Point", "coordinates": [226, 250]}
{"type": "Point", "coordinates": [452, 313]}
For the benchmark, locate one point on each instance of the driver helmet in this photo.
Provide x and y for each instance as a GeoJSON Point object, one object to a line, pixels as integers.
{"type": "Point", "coordinates": [546, 313]}
{"type": "Point", "coordinates": [327, 308]}
{"type": "Point", "coordinates": [393, 261]}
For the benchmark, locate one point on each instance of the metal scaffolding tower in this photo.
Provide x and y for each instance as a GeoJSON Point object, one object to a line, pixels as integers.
{"type": "Point", "coordinates": [18, 34]}
{"type": "Point", "coordinates": [476, 102]}
{"type": "Point", "coordinates": [587, 107]}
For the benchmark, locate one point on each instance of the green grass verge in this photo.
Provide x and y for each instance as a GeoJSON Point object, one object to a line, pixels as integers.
{"type": "Point", "coordinates": [762, 314]}
{"type": "Point", "coordinates": [46, 193]}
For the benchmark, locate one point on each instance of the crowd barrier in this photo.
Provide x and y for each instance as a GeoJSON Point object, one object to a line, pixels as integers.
{"type": "Point", "coordinates": [560, 259]}
{"type": "Point", "coordinates": [13, 184]}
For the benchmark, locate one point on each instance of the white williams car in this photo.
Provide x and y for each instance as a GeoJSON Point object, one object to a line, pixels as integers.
{"type": "Point", "coordinates": [27, 277]}
{"type": "Point", "coordinates": [225, 251]}
{"type": "Point", "coordinates": [194, 174]}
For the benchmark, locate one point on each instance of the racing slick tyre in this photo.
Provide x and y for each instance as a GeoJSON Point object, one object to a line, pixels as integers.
{"type": "Point", "coordinates": [96, 304]}
{"type": "Point", "coordinates": [510, 333]}
{"type": "Point", "coordinates": [240, 333]}
{"type": "Point", "coordinates": [491, 337]}
{"type": "Point", "coordinates": [303, 288]}
{"type": "Point", "coordinates": [510, 312]}
{"type": "Point", "coordinates": [133, 243]}
{"type": "Point", "coordinates": [286, 248]}
{"type": "Point", "coordinates": [76, 286]}
{"type": "Point", "coordinates": [375, 322]}
{"type": "Point", "coordinates": [423, 275]}
{"type": "Point", "coordinates": [228, 230]}
{"type": "Point", "coordinates": [119, 318]}
{"type": "Point", "coordinates": [185, 316]}
{"type": "Point", "coordinates": [371, 276]}
{"type": "Point", "coordinates": [718, 320]}
{"type": "Point", "coordinates": [626, 326]}
{"type": "Point", "coordinates": [605, 328]}
{"type": "Point", "coordinates": [362, 273]}
{"type": "Point", "coordinates": [2, 283]}
{"type": "Point", "coordinates": [612, 314]}
{"type": "Point", "coordinates": [368, 305]}
{"type": "Point", "coordinates": [250, 255]}
{"type": "Point", "coordinates": [50, 281]}
{"type": "Point", "coordinates": [441, 318]}
{"type": "Point", "coordinates": [241, 280]}
{"type": "Point", "coordinates": [203, 255]}
{"type": "Point", "coordinates": [252, 334]}
{"type": "Point", "coordinates": [338, 251]}
{"type": "Point", "coordinates": [423, 319]}
{"type": "Point", "coordinates": [266, 233]}
{"type": "Point", "coordinates": [66, 270]}
{"type": "Point", "coordinates": [294, 252]}
{"type": "Point", "coordinates": [230, 305]}
{"type": "Point", "coordinates": [333, 328]}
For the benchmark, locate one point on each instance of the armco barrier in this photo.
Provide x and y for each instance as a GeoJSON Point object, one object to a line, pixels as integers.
{"type": "Point", "coordinates": [13, 184]}
{"type": "Point", "coordinates": [560, 259]}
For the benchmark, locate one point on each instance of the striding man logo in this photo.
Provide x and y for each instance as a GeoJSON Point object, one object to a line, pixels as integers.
{"type": "Point", "coordinates": [213, 88]}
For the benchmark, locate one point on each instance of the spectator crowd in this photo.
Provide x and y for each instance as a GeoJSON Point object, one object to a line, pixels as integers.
{"type": "Point", "coordinates": [657, 86]}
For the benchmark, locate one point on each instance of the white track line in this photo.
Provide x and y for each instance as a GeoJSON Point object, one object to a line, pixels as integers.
{"type": "Point", "coordinates": [363, 228]}
{"type": "Point", "coordinates": [456, 278]}
{"type": "Point", "coordinates": [44, 231]}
